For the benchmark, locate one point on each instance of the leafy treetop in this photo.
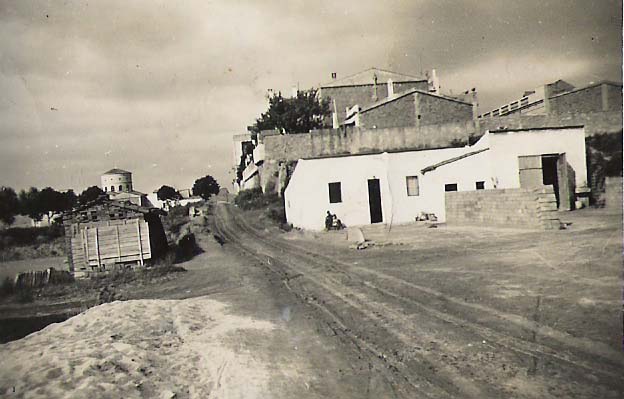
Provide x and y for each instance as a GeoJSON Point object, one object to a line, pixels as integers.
{"type": "Point", "coordinates": [205, 187]}
{"type": "Point", "coordinates": [299, 114]}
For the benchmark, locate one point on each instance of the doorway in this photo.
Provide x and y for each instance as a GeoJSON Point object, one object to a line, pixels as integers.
{"type": "Point", "coordinates": [550, 177]}
{"type": "Point", "coordinates": [374, 201]}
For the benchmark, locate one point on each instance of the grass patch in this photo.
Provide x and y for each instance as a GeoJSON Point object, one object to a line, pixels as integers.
{"type": "Point", "coordinates": [271, 205]}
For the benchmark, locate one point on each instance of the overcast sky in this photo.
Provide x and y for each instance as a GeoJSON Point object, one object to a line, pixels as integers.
{"type": "Point", "coordinates": [159, 87]}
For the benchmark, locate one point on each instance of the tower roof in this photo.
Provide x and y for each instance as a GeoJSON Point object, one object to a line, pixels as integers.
{"type": "Point", "coordinates": [116, 171]}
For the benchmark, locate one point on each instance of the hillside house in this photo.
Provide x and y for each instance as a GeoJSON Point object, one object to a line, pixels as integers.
{"type": "Point", "coordinates": [365, 88]}
{"type": "Point", "coordinates": [396, 187]}
{"type": "Point", "coordinates": [105, 234]}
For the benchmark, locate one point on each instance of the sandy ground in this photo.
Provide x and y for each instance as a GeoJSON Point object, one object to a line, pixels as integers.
{"type": "Point", "coordinates": [140, 348]}
{"type": "Point", "coordinates": [11, 268]}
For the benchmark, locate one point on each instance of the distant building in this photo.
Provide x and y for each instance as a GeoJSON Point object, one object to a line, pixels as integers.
{"type": "Point", "coordinates": [561, 97]}
{"type": "Point", "coordinates": [116, 180]}
{"type": "Point", "coordinates": [413, 107]}
{"type": "Point", "coordinates": [117, 184]}
{"type": "Point", "coordinates": [365, 88]}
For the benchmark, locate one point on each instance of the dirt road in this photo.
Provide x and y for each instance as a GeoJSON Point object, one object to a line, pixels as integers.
{"type": "Point", "coordinates": [464, 313]}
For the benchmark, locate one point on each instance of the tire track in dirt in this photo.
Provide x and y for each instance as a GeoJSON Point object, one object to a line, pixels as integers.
{"type": "Point", "coordinates": [432, 387]}
{"type": "Point", "coordinates": [527, 348]}
{"type": "Point", "coordinates": [586, 345]}
{"type": "Point", "coordinates": [394, 317]}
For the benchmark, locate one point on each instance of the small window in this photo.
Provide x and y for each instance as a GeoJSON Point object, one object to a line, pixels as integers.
{"type": "Point", "coordinates": [480, 185]}
{"type": "Point", "coordinates": [450, 187]}
{"type": "Point", "coordinates": [412, 186]}
{"type": "Point", "coordinates": [335, 193]}
{"type": "Point", "coordinates": [105, 189]}
{"type": "Point", "coordinates": [120, 187]}
{"type": "Point", "coordinates": [112, 189]}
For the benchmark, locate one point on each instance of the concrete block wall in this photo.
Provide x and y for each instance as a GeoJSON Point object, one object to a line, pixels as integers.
{"type": "Point", "coordinates": [525, 208]}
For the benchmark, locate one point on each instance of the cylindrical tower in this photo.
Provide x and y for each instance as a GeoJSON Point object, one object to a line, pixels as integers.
{"type": "Point", "coordinates": [116, 180]}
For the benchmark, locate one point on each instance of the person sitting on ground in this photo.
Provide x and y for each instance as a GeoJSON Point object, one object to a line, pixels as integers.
{"type": "Point", "coordinates": [328, 221]}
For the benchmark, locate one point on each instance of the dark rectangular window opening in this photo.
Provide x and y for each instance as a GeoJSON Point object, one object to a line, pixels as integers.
{"type": "Point", "coordinates": [480, 185]}
{"type": "Point", "coordinates": [450, 187]}
{"type": "Point", "coordinates": [335, 193]}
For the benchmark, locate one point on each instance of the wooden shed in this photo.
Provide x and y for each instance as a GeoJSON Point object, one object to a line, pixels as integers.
{"type": "Point", "coordinates": [105, 234]}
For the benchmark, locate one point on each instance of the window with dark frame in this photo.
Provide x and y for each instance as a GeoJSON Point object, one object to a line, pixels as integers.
{"type": "Point", "coordinates": [335, 193]}
{"type": "Point", "coordinates": [450, 187]}
{"type": "Point", "coordinates": [413, 189]}
{"type": "Point", "coordinates": [480, 185]}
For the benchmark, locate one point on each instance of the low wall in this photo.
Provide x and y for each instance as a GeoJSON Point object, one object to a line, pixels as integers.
{"type": "Point", "coordinates": [352, 141]}
{"type": "Point", "coordinates": [613, 193]}
{"type": "Point", "coordinates": [40, 278]}
{"type": "Point", "coordinates": [524, 208]}
{"type": "Point", "coordinates": [331, 142]}
{"type": "Point", "coordinates": [594, 122]}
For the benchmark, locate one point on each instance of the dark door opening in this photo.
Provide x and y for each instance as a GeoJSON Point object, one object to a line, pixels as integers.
{"type": "Point", "coordinates": [549, 173]}
{"type": "Point", "coordinates": [374, 201]}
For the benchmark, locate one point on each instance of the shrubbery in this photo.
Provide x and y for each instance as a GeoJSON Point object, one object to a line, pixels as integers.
{"type": "Point", "coordinates": [256, 199]}
{"type": "Point", "coordinates": [24, 236]}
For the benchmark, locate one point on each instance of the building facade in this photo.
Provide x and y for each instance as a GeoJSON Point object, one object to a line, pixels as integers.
{"type": "Point", "coordinates": [398, 187]}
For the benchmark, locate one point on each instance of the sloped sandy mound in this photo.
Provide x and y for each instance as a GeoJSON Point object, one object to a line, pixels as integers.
{"type": "Point", "coordinates": [143, 348]}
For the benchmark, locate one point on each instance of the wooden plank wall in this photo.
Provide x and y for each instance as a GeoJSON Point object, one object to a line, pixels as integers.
{"type": "Point", "coordinates": [110, 242]}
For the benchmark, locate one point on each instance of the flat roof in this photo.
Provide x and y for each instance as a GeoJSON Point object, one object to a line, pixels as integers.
{"type": "Point", "coordinates": [537, 128]}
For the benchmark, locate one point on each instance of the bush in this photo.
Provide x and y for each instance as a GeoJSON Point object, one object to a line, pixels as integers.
{"type": "Point", "coordinates": [255, 199]}
{"type": "Point", "coordinates": [24, 236]}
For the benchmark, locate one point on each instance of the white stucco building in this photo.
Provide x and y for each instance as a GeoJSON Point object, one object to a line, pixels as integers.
{"type": "Point", "coordinates": [397, 187]}
{"type": "Point", "coordinates": [117, 184]}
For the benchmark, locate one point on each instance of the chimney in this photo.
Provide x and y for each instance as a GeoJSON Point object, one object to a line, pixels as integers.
{"type": "Point", "coordinates": [434, 83]}
{"type": "Point", "coordinates": [375, 96]}
{"type": "Point", "coordinates": [390, 88]}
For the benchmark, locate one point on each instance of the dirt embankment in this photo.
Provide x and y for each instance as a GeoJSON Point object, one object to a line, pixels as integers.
{"type": "Point", "coordinates": [140, 348]}
{"type": "Point", "coordinates": [228, 328]}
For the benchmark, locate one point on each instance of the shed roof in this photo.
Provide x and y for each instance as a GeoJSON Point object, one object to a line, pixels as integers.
{"type": "Point", "coordinates": [103, 199]}
{"type": "Point", "coordinates": [116, 171]}
{"type": "Point", "coordinates": [367, 77]}
{"type": "Point", "coordinates": [451, 160]}
{"type": "Point", "coordinates": [606, 82]}
{"type": "Point", "coordinates": [527, 129]}
{"type": "Point", "coordinates": [407, 93]}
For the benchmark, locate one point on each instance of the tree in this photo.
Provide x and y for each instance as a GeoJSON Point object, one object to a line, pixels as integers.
{"type": "Point", "coordinates": [9, 205]}
{"type": "Point", "coordinates": [294, 115]}
{"type": "Point", "coordinates": [165, 193]}
{"type": "Point", "coordinates": [30, 204]}
{"type": "Point", "coordinates": [205, 187]}
{"type": "Point", "coordinates": [90, 194]}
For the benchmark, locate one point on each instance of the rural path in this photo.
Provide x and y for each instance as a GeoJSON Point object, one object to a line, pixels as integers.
{"type": "Point", "coordinates": [424, 339]}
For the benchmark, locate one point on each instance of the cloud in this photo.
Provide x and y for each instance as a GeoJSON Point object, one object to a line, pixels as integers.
{"type": "Point", "coordinates": [167, 83]}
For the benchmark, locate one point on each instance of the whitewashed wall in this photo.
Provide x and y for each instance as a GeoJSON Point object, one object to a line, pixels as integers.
{"type": "Point", "coordinates": [505, 148]}
{"type": "Point", "coordinates": [307, 195]}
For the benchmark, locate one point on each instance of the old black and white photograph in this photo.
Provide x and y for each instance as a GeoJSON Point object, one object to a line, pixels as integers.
{"type": "Point", "coordinates": [357, 199]}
